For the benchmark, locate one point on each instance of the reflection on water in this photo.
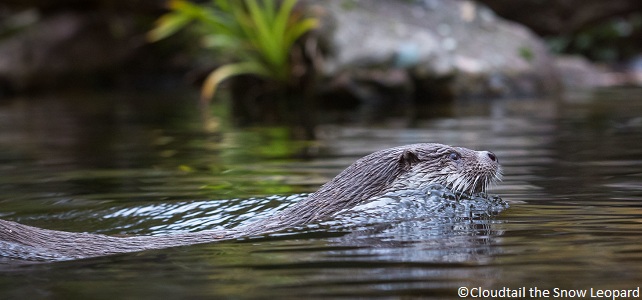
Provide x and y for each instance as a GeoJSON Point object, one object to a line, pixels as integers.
{"type": "Point", "coordinates": [174, 217]}
{"type": "Point", "coordinates": [573, 178]}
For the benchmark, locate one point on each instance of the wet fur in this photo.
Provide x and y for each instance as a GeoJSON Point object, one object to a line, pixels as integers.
{"type": "Point", "coordinates": [406, 167]}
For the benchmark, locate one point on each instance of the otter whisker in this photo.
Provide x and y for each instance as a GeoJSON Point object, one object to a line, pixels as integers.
{"type": "Point", "coordinates": [475, 182]}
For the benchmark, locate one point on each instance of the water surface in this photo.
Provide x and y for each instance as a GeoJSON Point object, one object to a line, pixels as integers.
{"type": "Point", "coordinates": [143, 165]}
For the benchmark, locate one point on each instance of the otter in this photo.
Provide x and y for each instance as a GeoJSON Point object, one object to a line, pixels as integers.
{"type": "Point", "coordinates": [410, 167]}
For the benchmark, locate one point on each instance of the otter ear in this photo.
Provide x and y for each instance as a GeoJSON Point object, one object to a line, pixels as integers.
{"type": "Point", "coordinates": [407, 159]}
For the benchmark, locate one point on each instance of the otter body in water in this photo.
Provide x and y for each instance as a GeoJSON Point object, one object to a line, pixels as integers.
{"type": "Point", "coordinates": [407, 167]}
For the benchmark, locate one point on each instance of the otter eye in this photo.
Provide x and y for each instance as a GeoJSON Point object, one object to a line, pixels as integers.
{"type": "Point", "coordinates": [454, 156]}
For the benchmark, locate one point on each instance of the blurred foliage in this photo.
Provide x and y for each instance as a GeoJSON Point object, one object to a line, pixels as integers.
{"type": "Point", "coordinates": [256, 35]}
{"type": "Point", "coordinates": [526, 53]}
{"type": "Point", "coordinates": [611, 41]}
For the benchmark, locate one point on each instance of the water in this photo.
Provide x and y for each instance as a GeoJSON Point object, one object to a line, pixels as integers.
{"type": "Point", "coordinates": [572, 177]}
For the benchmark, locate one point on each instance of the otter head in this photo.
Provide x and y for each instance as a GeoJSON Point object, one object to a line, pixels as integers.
{"type": "Point", "coordinates": [410, 167]}
{"type": "Point", "coordinates": [459, 169]}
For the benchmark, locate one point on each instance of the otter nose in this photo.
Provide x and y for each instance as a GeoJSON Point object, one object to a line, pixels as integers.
{"type": "Point", "coordinates": [492, 156]}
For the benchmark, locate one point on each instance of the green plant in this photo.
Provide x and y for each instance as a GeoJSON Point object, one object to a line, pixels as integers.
{"type": "Point", "coordinates": [526, 53]}
{"type": "Point", "coordinates": [257, 34]}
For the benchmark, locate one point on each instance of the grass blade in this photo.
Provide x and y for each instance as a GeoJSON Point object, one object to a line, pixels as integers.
{"type": "Point", "coordinates": [226, 71]}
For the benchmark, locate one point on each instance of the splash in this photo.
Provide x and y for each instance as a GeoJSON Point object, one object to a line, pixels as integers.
{"type": "Point", "coordinates": [433, 201]}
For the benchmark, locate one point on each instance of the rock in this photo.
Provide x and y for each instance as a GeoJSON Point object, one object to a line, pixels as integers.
{"type": "Point", "coordinates": [64, 46]}
{"type": "Point", "coordinates": [576, 72]}
{"type": "Point", "coordinates": [461, 44]}
{"type": "Point", "coordinates": [633, 71]}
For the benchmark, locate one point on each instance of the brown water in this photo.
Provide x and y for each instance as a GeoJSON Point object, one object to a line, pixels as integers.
{"type": "Point", "coordinates": [134, 165]}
